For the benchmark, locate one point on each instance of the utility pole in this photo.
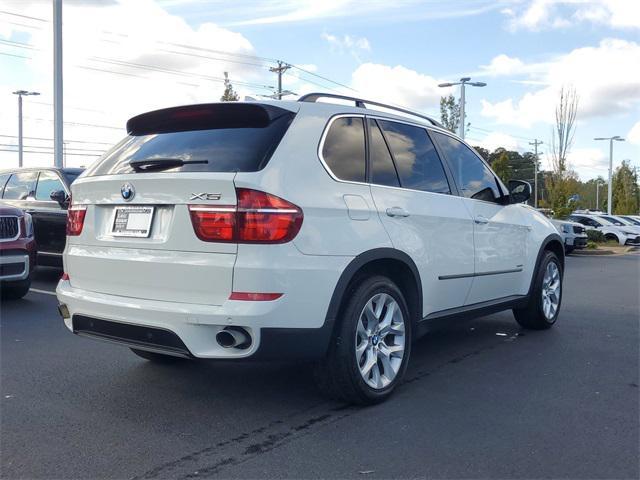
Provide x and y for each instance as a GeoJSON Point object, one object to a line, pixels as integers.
{"type": "Point", "coordinates": [463, 81]}
{"type": "Point", "coordinates": [280, 69]}
{"type": "Point", "coordinates": [57, 84]}
{"type": "Point", "coordinates": [535, 144]}
{"type": "Point", "coordinates": [21, 93]}
{"type": "Point", "coordinates": [616, 138]}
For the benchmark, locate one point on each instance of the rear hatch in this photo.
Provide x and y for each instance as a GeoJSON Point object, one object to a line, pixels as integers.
{"type": "Point", "coordinates": [133, 210]}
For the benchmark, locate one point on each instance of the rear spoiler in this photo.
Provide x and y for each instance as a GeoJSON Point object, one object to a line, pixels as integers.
{"type": "Point", "coordinates": [205, 116]}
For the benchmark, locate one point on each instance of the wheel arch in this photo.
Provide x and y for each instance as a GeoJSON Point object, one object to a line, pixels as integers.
{"type": "Point", "coordinates": [395, 264]}
{"type": "Point", "coordinates": [551, 243]}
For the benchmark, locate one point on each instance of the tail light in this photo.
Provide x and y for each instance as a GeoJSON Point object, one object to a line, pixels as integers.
{"type": "Point", "coordinates": [257, 218]}
{"type": "Point", "coordinates": [75, 219]}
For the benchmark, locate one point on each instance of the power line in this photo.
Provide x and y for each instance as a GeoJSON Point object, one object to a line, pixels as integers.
{"type": "Point", "coordinates": [75, 123]}
{"type": "Point", "coordinates": [23, 16]}
{"type": "Point", "coordinates": [51, 153]}
{"type": "Point", "coordinates": [51, 140]}
{"type": "Point", "coordinates": [94, 150]}
{"type": "Point", "coordinates": [323, 78]}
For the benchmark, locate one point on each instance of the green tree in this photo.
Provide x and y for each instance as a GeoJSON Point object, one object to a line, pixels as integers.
{"type": "Point", "coordinates": [450, 113]}
{"type": "Point", "coordinates": [625, 191]}
{"type": "Point", "coordinates": [501, 166]}
{"type": "Point", "coordinates": [483, 152]}
{"type": "Point", "coordinates": [229, 94]}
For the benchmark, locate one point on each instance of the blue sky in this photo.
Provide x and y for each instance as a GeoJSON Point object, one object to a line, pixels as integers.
{"type": "Point", "coordinates": [124, 57]}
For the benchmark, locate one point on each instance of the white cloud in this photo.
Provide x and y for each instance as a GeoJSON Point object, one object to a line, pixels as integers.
{"type": "Point", "coordinates": [348, 43]}
{"type": "Point", "coordinates": [503, 65]}
{"type": "Point", "coordinates": [499, 139]}
{"type": "Point", "coordinates": [606, 77]}
{"type": "Point", "coordinates": [544, 14]}
{"type": "Point", "coordinates": [589, 161]}
{"type": "Point", "coordinates": [398, 85]}
{"type": "Point", "coordinates": [102, 41]}
{"type": "Point", "coordinates": [269, 12]}
{"type": "Point", "coordinates": [634, 134]}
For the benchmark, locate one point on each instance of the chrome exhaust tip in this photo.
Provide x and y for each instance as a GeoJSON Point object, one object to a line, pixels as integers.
{"type": "Point", "coordinates": [63, 310]}
{"type": "Point", "coordinates": [234, 337]}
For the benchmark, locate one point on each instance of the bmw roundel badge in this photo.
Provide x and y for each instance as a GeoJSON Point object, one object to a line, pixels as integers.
{"type": "Point", "coordinates": [128, 192]}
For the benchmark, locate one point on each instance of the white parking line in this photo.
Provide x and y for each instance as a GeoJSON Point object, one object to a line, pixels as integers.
{"type": "Point", "coordinates": [46, 292]}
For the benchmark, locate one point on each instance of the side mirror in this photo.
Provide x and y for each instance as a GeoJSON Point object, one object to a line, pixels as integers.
{"type": "Point", "coordinates": [59, 196]}
{"type": "Point", "coordinates": [519, 191]}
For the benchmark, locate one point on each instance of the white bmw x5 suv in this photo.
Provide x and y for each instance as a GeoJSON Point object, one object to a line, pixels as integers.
{"type": "Point", "coordinates": [299, 230]}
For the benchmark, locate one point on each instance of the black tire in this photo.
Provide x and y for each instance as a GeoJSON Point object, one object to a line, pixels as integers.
{"type": "Point", "coordinates": [157, 357]}
{"type": "Point", "coordinates": [532, 316]}
{"type": "Point", "coordinates": [15, 290]}
{"type": "Point", "coordinates": [338, 375]}
{"type": "Point", "coordinates": [568, 250]}
{"type": "Point", "coordinates": [610, 237]}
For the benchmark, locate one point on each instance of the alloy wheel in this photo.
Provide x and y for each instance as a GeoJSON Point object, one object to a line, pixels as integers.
{"type": "Point", "coordinates": [380, 340]}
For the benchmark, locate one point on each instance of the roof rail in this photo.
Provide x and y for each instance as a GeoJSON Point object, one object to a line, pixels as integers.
{"type": "Point", "coordinates": [361, 103]}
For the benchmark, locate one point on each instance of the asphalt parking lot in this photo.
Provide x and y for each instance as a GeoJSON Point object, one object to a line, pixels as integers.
{"type": "Point", "coordinates": [482, 400]}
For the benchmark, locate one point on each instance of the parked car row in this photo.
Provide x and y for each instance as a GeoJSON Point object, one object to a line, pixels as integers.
{"type": "Point", "coordinates": [623, 229]}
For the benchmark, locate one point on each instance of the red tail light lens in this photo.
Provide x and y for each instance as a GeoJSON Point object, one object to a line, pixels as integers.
{"type": "Point", "coordinates": [258, 218]}
{"type": "Point", "coordinates": [75, 219]}
{"type": "Point", "coordinates": [265, 218]}
{"type": "Point", "coordinates": [213, 224]}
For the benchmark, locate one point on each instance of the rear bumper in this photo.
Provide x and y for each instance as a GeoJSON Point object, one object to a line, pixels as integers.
{"type": "Point", "coordinates": [293, 326]}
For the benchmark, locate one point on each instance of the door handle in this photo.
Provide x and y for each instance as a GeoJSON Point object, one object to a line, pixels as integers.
{"type": "Point", "coordinates": [480, 220]}
{"type": "Point", "coordinates": [397, 212]}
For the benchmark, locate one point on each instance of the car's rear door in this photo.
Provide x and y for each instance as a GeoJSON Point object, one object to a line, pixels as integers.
{"type": "Point", "coordinates": [500, 229]}
{"type": "Point", "coordinates": [421, 215]}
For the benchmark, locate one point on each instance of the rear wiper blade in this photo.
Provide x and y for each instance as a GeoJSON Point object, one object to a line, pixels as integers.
{"type": "Point", "coordinates": [157, 164]}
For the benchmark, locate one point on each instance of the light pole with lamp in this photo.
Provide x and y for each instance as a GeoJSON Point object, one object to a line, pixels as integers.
{"type": "Point", "coordinates": [598, 185]}
{"type": "Point", "coordinates": [463, 81]}
{"type": "Point", "coordinates": [616, 138]}
{"type": "Point", "coordinates": [21, 93]}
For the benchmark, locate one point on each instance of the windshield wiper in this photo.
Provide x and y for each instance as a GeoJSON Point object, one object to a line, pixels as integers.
{"type": "Point", "coordinates": [158, 164]}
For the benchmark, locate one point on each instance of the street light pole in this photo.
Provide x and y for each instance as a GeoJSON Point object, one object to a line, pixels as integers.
{"type": "Point", "coordinates": [535, 144]}
{"type": "Point", "coordinates": [20, 94]}
{"type": "Point", "coordinates": [616, 138]}
{"type": "Point", "coordinates": [57, 84]}
{"type": "Point", "coordinates": [463, 81]}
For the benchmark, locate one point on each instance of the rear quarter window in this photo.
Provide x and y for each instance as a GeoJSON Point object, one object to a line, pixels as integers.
{"type": "Point", "coordinates": [343, 150]}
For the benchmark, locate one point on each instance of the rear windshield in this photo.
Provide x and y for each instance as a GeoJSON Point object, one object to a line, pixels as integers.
{"type": "Point", "coordinates": [230, 138]}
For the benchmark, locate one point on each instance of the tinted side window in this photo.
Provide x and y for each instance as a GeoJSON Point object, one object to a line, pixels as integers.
{"type": "Point", "coordinates": [3, 179]}
{"type": "Point", "coordinates": [47, 182]}
{"type": "Point", "coordinates": [383, 171]}
{"type": "Point", "coordinates": [473, 177]}
{"type": "Point", "coordinates": [343, 149]}
{"type": "Point", "coordinates": [20, 185]}
{"type": "Point", "coordinates": [416, 159]}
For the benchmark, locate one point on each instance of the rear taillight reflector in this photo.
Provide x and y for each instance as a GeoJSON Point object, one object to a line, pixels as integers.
{"type": "Point", "coordinates": [254, 297]}
{"type": "Point", "coordinates": [75, 219]}
{"type": "Point", "coordinates": [258, 218]}
{"type": "Point", "coordinates": [213, 224]}
{"type": "Point", "coordinates": [65, 276]}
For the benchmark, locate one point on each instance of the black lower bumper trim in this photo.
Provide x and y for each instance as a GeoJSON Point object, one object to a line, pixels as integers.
{"type": "Point", "coordinates": [136, 336]}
